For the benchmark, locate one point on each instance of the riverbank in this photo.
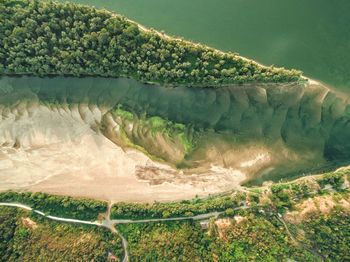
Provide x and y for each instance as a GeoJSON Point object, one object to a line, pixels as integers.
{"type": "Point", "coordinates": [125, 51]}
{"type": "Point", "coordinates": [280, 202]}
{"type": "Point", "coordinates": [60, 151]}
{"type": "Point", "coordinates": [162, 34]}
{"type": "Point", "coordinates": [54, 140]}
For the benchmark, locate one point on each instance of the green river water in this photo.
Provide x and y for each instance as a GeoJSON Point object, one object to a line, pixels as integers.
{"type": "Point", "coordinates": [302, 128]}
{"type": "Point", "coordinates": [312, 36]}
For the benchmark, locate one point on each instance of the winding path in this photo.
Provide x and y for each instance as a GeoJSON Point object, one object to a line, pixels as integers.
{"type": "Point", "coordinates": [314, 252]}
{"type": "Point", "coordinates": [78, 221]}
{"type": "Point", "coordinates": [109, 223]}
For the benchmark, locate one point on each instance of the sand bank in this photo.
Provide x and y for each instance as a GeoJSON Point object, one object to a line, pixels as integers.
{"type": "Point", "coordinates": [61, 151]}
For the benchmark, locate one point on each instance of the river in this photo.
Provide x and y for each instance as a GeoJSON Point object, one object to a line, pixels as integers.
{"type": "Point", "coordinates": [265, 132]}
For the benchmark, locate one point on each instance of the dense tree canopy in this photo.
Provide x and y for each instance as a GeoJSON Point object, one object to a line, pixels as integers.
{"type": "Point", "coordinates": [255, 238]}
{"type": "Point", "coordinates": [49, 38]}
{"type": "Point", "coordinates": [176, 209]}
{"type": "Point", "coordinates": [63, 206]}
{"type": "Point", "coordinates": [329, 233]}
{"type": "Point", "coordinates": [25, 236]}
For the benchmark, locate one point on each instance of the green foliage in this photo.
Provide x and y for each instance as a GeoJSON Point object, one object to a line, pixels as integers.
{"type": "Point", "coordinates": [255, 190]}
{"type": "Point", "coordinates": [7, 231]}
{"type": "Point", "coordinates": [329, 233]}
{"type": "Point", "coordinates": [229, 212]}
{"type": "Point", "coordinates": [30, 237]}
{"type": "Point", "coordinates": [281, 197]}
{"type": "Point", "coordinates": [159, 210]}
{"type": "Point", "coordinates": [302, 190]}
{"type": "Point", "coordinates": [168, 241]}
{"type": "Point", "coordinates": [123, 114]}
{"type": "Point", "coordinates": [49, 38]}
{"type": "Point", "coordinates": [62, 206]}
{"type": "Point", "coordinates": [255, 238]}
{"type": "Point", "coordinates": [335, 179]}
{"type": "Point", "coordinates": [188, 144]}
{"type": "Point", "coordinates": [157, 124]}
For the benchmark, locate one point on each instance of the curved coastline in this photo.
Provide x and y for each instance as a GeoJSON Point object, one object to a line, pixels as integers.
{"type": "Point", "coordinates": [142, 27]}
{"type": "Point", "coordinates": [309, 82]}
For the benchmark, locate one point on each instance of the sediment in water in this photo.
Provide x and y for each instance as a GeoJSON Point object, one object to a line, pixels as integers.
{"type": "Point", "coordinates": [218, 136]}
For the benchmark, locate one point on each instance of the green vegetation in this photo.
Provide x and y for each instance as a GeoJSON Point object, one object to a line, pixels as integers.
{"type": "Point", "coordinates": [178, 241]}
{"type": "Point", "coordinates": [174, 132]}
{"type": "Point", "coordinates": [123, 114]}
{"type": "Point", "coordinates": [329, 233]}
{"type": "Point", "coordinates": [255, 238]}
{"type": "Point", "coordinates": [283, 196]}
{"type": "Point", "coordinates": [335, 179]}
{"type": "Point", "coordinates": [61, 206]}
{"type": "Point", "coordinates": [255, 234]}
{"type": "Point", "coordinates": [25, 236]}
{"type": "Point", "coordinates": [49, 38]}
{"type": "Point", "coordinates": [280, 197]}
{"type": "Point", "coordinates": [180, 209]}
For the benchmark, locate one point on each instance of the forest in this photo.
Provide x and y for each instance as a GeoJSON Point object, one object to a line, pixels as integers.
{"type": "Point", "coordinates": [177, 209]}
{"type": "Point", "coordinates": [255, 234]}
{"type": "Point", "coordinates": [255, 238]}
{"type": "Point", "coordinates": [50, 38]}
{"type": "Point", "coordinates": [25, 236]}
{"type": "Point", "coordinates": [315, 210]}
{"type": "Point", "coordinates": [61, 206]}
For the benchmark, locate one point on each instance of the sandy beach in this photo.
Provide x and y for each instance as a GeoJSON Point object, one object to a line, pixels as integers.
{"type": "Point", "coordinates": [59, 151]}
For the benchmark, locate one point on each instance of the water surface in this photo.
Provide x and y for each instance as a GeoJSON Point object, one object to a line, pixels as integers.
{"type": "Point", "coordinates": [302, 128]}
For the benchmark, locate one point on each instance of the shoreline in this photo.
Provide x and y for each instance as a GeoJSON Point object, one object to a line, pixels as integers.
{"type": "Point", "coordinates": [143, 28]}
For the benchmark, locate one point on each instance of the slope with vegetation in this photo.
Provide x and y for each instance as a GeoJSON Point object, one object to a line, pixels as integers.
{"type": "Point", "coordinates": [62, 206]}
{"type": "Point", "coordinates": [303, 220]}
{"type": "Point", "coordinates": [176, 209]}
{"type": "Point", "coordinates": [258, 233]}
{"type": "Point", "coordinates": [255, 238]}
{"type": "Point", "coordinates": [25, 236]}
{"type": "Point", "coordinates": [49, 38]}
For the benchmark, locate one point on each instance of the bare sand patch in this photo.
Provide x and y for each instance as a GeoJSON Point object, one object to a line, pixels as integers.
{"type": "Point", "coordinates": [29, 223]}
{"type": "Point", "coordinates": [60, 151]}
{"type": "Point", "coordinates": [222, 225]}
{"type": "Point", "coordinates": [238, 219]}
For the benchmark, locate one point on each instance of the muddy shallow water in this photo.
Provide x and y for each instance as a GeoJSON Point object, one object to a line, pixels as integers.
{"type": "Point", "coordinates": [51, 137]}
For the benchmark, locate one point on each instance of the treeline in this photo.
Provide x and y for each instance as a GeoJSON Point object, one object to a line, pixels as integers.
{"type": "Point", "coordinates": [122, 210]}
{"type": "Point", "coordinates": [50, 38]}
{"type": "Point", "coordinates": [25, 236]}
{"type": "Point", "coordinates": [61, 206]}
